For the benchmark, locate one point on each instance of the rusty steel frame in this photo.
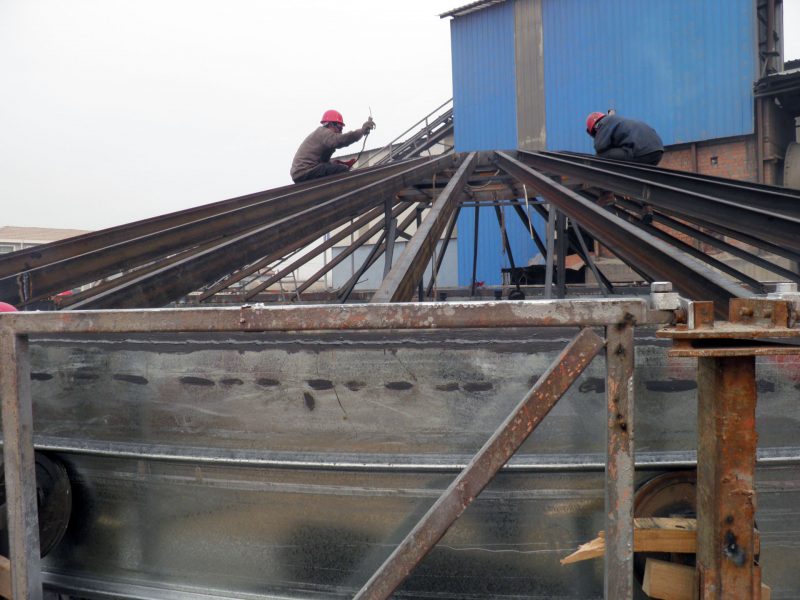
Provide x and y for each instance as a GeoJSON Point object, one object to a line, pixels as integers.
{"type": "Point", "coordinates": [44, 254]}
{"type": "Point", "coordinates": [377, 251]}
{"type": "Point", "coordinates": [779, 228]}
{"type": "Point", "coordinates": [619, 473]}
{"type": "Point", "coordinates": [448, 234]}
{"type": "Point", "coordinates": [727, 439]}
{"type": "Point", "coordinates": [218, 245]}
{"type": "Point", "coordinates": [754, 284]}
{"type": "Point", "coordinates": [35, 283]}
{"type": "Point", "coordinates": [770, 197]}
{"type": "Point", "coordinates": [15, 376]}
{"type": "Point", "coordinates": [355, 245]}
{"type": "Point", "coordinates": [726, 462]}
{"type": "Point", "coordinates": [480, 471]}
{"type": "Point", "coordinates": [329, 243]}
{"type": "Point", "coordinates": [705, 238]}
{"type": "Point", "coordinates": [398, 285]}
{"type": "Point", "coordinates": [174, 281]}
{"type": "Point", "coordinates": [659, 262]}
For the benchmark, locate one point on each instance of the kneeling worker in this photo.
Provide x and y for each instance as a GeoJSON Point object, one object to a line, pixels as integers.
{"type": "Point", "coordinates": [624, 139]}
{"type": "Point", "coordinates": [313, 157]}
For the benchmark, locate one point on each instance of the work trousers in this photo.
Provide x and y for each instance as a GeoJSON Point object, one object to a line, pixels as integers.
{"type": "Point", "coordinates": [651, 158]}
{"type": "Point", "coordinates": [323, 170]}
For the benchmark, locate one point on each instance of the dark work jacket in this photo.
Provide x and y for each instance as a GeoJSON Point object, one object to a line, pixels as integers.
{"type": "Point", "coordinates": [318, 148]}
{"type": "Point", "coordinates": [634, 137]}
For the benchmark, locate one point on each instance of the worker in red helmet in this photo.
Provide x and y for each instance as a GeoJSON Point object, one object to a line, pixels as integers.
{"type": "Point", "coordinates": [624, 139]}
{"type": "Point", "coordinates": [313, 158]}
{"type": "Point", "coordinates": [5, 307]}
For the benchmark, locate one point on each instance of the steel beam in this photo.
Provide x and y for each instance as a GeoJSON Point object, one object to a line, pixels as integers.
{"type": "Point", "coordinates": [51, 268]}
{"type": "Point", "coordinates": [329, 243]}
{"type": "Point", "coordinates": [772, 198]}
{"type": "Point", "coordinates": [319, 317]}
{"type": "Point", "coordinates": [703, 237]}
{"type": "Point", "coordinates": [399, 284]}
{"type": "Point", "coordinates": [771, 226]}
{"type": "Point", "coordinates": [645, 253]}
{"type": "Point", "coordinates": [448, 235]}
{"type": "Point", "coordinates": [377, 251]}
{"type": "Point", "coordinates": [692, 251]}
{"type": "Point", "coordinates": [19, 465]}
{"type": "Point", "coordinates": [500, 447]}
{"type": "Point", "coordinates": [176, 280]}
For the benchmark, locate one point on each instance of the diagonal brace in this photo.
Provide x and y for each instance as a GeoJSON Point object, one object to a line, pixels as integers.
{"type": "Point", "coordinates": [495, 453]}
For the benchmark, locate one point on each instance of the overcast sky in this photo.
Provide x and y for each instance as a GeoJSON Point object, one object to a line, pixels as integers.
{"type": "Point", "coordinates": [119, 110]}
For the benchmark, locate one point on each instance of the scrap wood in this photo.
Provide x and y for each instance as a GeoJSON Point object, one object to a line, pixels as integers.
{"type": "Point", "coordinates": [670, 581]}
{"type": "Point", "coordinates": [5, 577]}
{"type": "Point", "coordinates": [651, 534]}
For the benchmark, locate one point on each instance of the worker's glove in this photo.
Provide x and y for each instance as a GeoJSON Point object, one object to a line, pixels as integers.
{"type": "Point", "coordinates": [368, 126]}
{"type": "Point", "coordinates": [348, 163]}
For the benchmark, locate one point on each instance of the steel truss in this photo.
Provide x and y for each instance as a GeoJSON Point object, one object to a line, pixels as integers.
{"type": "Point", "coordinates": [657, 222]}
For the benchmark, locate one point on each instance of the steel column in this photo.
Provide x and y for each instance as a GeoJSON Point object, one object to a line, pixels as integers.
{"type": "Point", "coordinates": [484, 466]}
{"type": "Point", "coordinates": [619, 488]}
{"type": "Point", "coordinates": [19, 466]}
{"type": "Point", "coordinates": [726, 461]}
{"type": "Point", "coordinates": [561, 255]}
{"type": "Point", "coordinates": [475, 250]}
{"type": "Point", "coordinates": [550, 258]}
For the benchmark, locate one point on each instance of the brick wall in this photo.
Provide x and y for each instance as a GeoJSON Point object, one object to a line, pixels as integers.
{"type": "Point", "coordinates": [734, 158]}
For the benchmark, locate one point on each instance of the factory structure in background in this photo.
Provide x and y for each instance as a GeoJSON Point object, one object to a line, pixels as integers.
{"type": "Point", "coordinates": [711, 81]}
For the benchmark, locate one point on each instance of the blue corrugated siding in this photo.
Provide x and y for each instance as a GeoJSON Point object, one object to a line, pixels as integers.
{"type": "Point", "coordinates": [484, 88]}
{"type": "Point", "coordinates": [685, 66]}
{"type": "Point", "coordinates": [485, 106]}
{"type": "Point", "coordinates": [491, 257]}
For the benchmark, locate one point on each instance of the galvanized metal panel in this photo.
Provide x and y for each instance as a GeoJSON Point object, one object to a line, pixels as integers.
{"type": "Point", "coordinates": [187, 452]}
{"type": "Point", "coordinates": [484, 91]}
{"type": "Point", "coordinates": [685, 67]}
{"type": "Point", "coordinates": [530, 74]}
{"type": "Point", "coordinates": [491, 258]}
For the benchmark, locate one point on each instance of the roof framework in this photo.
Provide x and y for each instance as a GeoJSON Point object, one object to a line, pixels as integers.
{"type": "Point", "coordinates": [655, 223]}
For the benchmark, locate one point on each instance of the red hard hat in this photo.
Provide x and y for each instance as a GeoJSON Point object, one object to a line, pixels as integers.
{"type": "Point", "coordinates": [332, 116]}
{"type": "Point", "coordinates": [4, 307]}
{"type": "Point", "coordinates": [591, 121]}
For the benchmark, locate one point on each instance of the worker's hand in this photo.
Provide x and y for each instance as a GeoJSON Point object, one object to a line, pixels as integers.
{"type": "Point", "coordinates": [368, 126]}
{"type": "Point", "coordinates": [348, 163]}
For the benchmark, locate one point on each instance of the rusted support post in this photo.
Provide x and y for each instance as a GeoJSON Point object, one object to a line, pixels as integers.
{"type": "Point", "coordinates": [484, 466]}
{"type": "Point", "coordinates": [618, 576]}
{"type": "Point", "coordinates": [727, 439]}
{"type": "Point", "coordinates": [19, 466]}
{"type": "Point", "coordinates": [726, 463]}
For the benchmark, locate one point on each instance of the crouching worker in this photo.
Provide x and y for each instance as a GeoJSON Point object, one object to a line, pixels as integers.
{"type": "Point", "coordinates": [313, 157]}
{"type": "Point", "coordinates": [624, 139]}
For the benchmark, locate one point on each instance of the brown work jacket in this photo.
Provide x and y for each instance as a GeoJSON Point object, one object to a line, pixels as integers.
{"type": "Point", "coordinates": [318, 148]}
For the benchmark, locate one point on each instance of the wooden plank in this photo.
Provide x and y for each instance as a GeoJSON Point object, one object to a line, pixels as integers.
{"type": "Point", "coordinates": [5, 578]}
{"type": "Point", "coordinates": [649, 535]}
{"type": "Point", "coordinates": [670, 581]}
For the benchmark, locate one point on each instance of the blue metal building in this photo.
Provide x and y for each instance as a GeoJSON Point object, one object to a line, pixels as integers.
{"type": "Point", "coordinates": [527, 72]}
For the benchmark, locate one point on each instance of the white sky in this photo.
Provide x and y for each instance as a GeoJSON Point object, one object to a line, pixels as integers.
{"type": "Point", "coordinates": [119, 110]}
